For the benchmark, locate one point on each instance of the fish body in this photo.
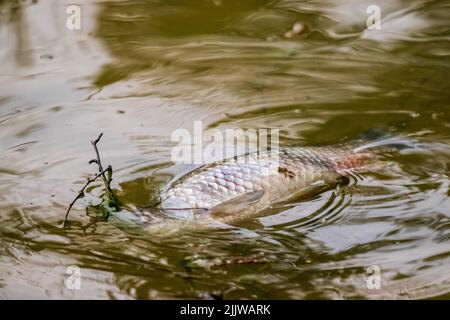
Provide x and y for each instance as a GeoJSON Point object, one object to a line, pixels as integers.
{"type": "Point", "coordinates": [239, 186]}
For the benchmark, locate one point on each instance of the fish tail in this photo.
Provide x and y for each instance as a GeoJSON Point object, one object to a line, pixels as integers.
{"type": "Point", "coordinates": [373, 145]}
{"type": "Point", "coordinates": [387, 144]}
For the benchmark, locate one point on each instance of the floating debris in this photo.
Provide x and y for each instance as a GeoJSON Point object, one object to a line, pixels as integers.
{"type": "Point", "coordinates": [296, 29]}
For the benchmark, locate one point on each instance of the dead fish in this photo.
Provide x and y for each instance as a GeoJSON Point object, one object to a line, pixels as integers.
{"type": "Point", "coordinates": [240, 187]}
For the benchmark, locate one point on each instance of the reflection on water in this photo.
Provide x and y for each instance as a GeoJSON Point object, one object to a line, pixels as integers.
{"type": "Point", "coordinates": [139, 70]}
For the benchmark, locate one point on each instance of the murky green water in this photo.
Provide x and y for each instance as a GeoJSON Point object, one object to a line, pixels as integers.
{"type": "Point", "coordinates": [137, 70]}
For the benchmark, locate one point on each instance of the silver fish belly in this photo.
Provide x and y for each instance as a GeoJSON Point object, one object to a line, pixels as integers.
{"type": "Point", "coordinates": [254, 181]}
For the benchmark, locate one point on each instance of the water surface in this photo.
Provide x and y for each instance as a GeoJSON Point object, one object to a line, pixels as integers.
{"type": "Point", "coordinates": [137, 70]}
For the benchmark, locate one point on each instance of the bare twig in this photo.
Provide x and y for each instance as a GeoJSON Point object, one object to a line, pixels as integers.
{"type": "Point", "coordinates": [81, 192]}
{"type": "Point", "coordinates": [106, 181]}
{"type": "Point", "coordinates": [101, 173]}
{"type": "Point", "coordinates": [98, 161]}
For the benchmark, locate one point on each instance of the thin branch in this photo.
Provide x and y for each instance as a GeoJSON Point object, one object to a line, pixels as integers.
{"type": "Point", "coordinates": [106, 181]}
{"type": "Point", "coordinates": [98, 161]}
{"type": "Point", "coordinates": [81, 192]}
{"type": "Point", "coordinates": [109, 200]}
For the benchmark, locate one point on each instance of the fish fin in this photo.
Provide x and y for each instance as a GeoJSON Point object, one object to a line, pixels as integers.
{"type": "Point", "coordinates": [305, 192]}
{"type": "Point", "coordinates": [249, 224]}
{"type": "Point", "coordinates": [236, 204]}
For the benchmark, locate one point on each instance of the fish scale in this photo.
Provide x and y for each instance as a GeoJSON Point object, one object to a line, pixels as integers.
{"type": "Point", "coordinates": [279, 174]}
